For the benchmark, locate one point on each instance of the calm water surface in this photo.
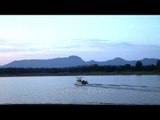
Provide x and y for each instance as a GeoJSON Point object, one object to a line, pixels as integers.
{"type": "Point", "coordinates": [111, 89]}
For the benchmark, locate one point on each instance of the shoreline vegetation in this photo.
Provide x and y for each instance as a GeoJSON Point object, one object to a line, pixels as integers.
{"type": "Point", "coordinates": [94, 69]}
{"type": "Point", "coordinates": [80, 74]}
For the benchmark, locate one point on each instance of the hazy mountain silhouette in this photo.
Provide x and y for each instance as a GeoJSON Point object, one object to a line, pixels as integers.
{"type": "Point", "coordinates": [72, 61]}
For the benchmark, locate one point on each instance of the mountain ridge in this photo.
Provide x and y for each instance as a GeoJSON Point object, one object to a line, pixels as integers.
{"type": "Point", "coordinates": [72, 61]}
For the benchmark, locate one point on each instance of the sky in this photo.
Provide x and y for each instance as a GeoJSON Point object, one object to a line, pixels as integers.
{"type": "Point", "coordinates": [91, 37]}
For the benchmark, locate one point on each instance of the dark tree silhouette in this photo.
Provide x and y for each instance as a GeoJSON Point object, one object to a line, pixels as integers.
{"type": "Point", "coordinates": [139, 64]}
{"type": "Point", "coordinates": [80, 69]}
{"type": "Point", "coordinates": [158, 63]}
{"type": "Point", "coordinates": [128, 66]}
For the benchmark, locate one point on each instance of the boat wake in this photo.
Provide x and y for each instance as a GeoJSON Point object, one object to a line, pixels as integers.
{"type": "Point", "coordinates": [125, 87]}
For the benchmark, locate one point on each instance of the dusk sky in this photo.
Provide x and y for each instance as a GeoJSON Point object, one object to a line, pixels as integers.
{"type": "Point", "coordinates": [97, 37]}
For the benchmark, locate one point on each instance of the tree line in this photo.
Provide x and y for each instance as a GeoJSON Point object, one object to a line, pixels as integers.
{"type": "Point", "coordinates": [84, 69]}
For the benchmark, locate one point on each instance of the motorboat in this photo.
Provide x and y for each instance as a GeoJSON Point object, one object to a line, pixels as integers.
{"type": "Point", "coordinates": [80, 81]}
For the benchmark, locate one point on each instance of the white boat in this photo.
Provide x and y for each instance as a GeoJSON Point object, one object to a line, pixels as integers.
{"type": "Point", "coordinates": [79, 81]}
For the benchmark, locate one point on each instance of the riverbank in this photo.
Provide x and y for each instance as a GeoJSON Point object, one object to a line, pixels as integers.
{"type": "Point", "coordinates": [79, 74]}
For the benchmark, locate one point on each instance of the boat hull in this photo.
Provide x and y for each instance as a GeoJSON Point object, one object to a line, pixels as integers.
{"type": "Point", "coordinates": [80, 84]}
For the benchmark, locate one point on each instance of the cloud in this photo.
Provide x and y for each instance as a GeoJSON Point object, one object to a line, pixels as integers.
{"type": "Point", "coordinates": [91, 41]}
{"type": "Point", "coordinates": [131, 51]}
{"type": "Point", "coordinates": [12, 46]}
{"type": "Point", "coordinates": [74, 45]}
{"type": "Point", "coordinates": [130, 47]}
{"type": "Point", "coordinates": [83, 44]}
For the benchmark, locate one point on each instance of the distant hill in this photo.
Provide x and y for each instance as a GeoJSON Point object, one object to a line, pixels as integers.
{"type": "Point", "coordinates": [49, 63]}
{"type": "Point", "coordinates": [72, 61]}
{"type": "Point", "coordinates": [149, 61]}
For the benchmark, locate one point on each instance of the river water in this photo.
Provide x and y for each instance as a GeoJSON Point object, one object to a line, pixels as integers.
{"type": "Point", "coordinates": [102, 89]}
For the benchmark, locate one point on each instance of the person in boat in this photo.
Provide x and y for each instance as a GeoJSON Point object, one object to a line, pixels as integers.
{"type": "Point", "coordinates": [82, 81]}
